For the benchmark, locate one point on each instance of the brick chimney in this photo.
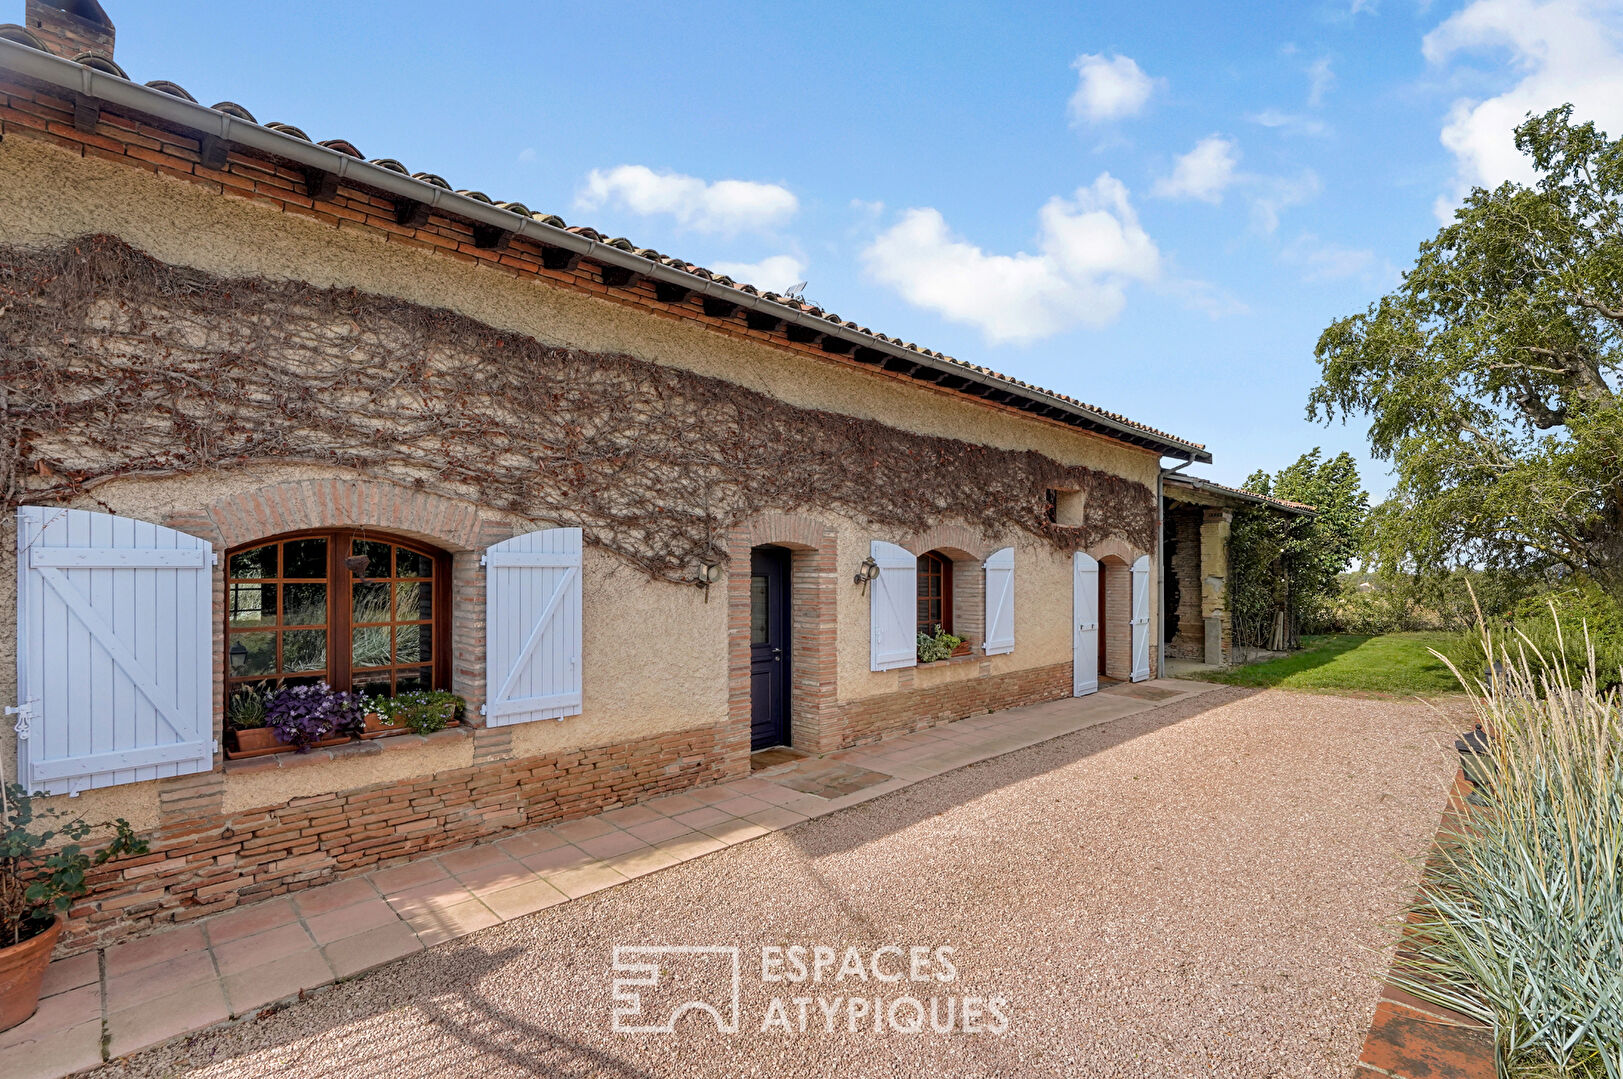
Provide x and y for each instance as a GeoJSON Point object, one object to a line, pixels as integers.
{"type": "Point", "coordinates": [70, 28]}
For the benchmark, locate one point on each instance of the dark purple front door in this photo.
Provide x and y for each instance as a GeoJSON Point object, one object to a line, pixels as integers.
{"type": "Point", "coordinates": [769, 648]}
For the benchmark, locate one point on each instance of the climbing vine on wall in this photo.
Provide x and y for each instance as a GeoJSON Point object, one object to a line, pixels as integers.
{"type": "Point", "coordinates": [116, 365]}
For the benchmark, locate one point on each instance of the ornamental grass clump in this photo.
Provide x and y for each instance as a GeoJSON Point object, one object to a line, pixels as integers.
{"type": "Point", "coordinates": [1519, 921]}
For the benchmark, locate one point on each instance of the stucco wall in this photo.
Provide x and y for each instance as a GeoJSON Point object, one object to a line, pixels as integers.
{"type": "Point", "coordinates": [654, 654]}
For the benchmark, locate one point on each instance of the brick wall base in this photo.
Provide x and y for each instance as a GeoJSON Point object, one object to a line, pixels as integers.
{"type": "Point", "coordinates": [872, 718]}
{"type": "Point", "coordinates": [203, 862]}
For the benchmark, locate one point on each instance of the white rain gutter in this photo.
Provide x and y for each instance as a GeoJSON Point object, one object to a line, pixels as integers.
{"type": "Point", "coordinates": [1161, 565]}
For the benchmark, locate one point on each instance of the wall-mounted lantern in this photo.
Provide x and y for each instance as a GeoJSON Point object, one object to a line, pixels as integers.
{"type": "Point", "coordinates": [868, 571]}
{"type": "Point", "coordinates": [707, 574]}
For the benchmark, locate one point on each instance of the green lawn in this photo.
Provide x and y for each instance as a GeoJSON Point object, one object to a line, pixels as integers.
{"type": "Point", "coordinates": [1391, 663]}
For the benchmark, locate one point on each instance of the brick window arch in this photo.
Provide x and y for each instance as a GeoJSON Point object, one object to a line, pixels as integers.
{"type": "Point", "coordinates": [356, 609]}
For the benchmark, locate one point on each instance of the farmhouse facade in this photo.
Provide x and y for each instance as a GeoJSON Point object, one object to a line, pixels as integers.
{"type": "Point", "coordinates": [279, 414]}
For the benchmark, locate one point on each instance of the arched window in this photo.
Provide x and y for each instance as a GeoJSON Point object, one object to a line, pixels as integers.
{"type": "Point", "coordinates": [356, 610]}
{"type": "Point", "coordinates": [934, 592]}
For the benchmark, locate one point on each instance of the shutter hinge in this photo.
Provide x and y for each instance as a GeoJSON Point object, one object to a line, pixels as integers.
{"type": "Point", "coordinates": [481, 560]}
{"type": "Point", "coordinates": [214, 559]}
{"type": "Point", "coordinates": [24, 712]}
{"type": "Point", "coordinates": [483, 710]}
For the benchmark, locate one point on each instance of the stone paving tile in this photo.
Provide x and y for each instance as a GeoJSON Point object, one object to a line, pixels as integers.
{"type": "Point", "coordinates": [523, 899]}
{"type": "Point", "coordinates": [331, 897]}
{"type": "Point", "coordinates": [537, 841]}
{"type": "Point", "coordinates": [250, 920]}
{"type": "Point", "coordinates": [584, 881]}
{"type": "Point", "coordinates": [584, 828]}
{"type": "Point", "coordinates": [673, 804]}
{"type": "Point", "coordinates": [156, 980]}
{"type": "Point", "coordinates": [700, 818]}
{"type": "Point", "coordinates": [742, 805]}
{"type": "Point", "coordinates": [690, 845]}
{"type": "Point", "coordinates": [373, 948]}
{"type": "Point", "coordinates": [556, 861]}
{"type": "Point", "coordinates": [776, 795]}
{"type": "Point", "coordinates": [735, 831]}
{"type": "Point", "coordinates": [497, 876]}
{"type": "Point", "coordinates": [402, 878]}
{"type": "Point", "coordinates": [435, 895]}
{"type": "Point", "coordinates": [245, 953]}
{"type": "Point", "coordinates": [56, 1053]}
{"type": "Point", "coordinates": [656, 830]}
{"type": "Point", "coordinates": [55, 1016]}
{"type": "Point", "coordinates": [158, 1019]}
{"type": "Point", "coordinates": [122, 958]}
{"type": "Point", "coordinates": [438, 926]}
{"type": "Point", "coordinates": [625, 818]}
{"type": "Point", "coordinates": [70, 973]}
{"type": "Point", "coordinates": [458, 862]}
{"type": "Point", "coordinates": [710, 795]}
{"type": "Point", "coordinates": [348, 921]}
{"type": "Point", "coordinates": [639, 863]}
{"type": "Point", "coordinates": [281, 977]}
{"type": "Point", "coordinates": [776, 817]}
{"type": "Point", "coordinates": [607, 846]}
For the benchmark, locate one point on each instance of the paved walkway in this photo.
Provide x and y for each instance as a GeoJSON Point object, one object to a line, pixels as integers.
{"type": "Point", "coordinates": [104, 1005]}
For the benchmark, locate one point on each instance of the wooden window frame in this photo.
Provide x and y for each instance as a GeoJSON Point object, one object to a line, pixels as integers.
{"type": "Point", "coordinates": [944, 565]}
{"type": "Point", "coordinates": [339, 579]}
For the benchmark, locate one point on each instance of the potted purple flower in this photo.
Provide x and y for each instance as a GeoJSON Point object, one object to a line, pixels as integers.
{"type": "Point", "coordinates": [310, 716]}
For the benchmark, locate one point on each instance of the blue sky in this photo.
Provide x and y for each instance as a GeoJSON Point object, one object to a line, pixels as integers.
{"type": "Point", "coordinates": [1153, 207]}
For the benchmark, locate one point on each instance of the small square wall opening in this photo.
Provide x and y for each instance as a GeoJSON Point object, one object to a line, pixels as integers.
{"type": "Point", "coordinates": [1066, 507]}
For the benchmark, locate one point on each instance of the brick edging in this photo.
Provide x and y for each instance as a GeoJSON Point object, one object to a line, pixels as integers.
{"type": "Point", "coordinates": [1410, 1038]}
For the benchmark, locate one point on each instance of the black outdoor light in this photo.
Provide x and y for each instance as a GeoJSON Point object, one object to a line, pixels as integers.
{"type": "Point", "coordinates": [706, 575]}
{"type": "Point", "coordinates": [239, 656]}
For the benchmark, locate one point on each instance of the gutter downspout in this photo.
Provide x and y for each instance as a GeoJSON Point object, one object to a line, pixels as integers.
{"type": "Point", "coordinates": [1161, 564]}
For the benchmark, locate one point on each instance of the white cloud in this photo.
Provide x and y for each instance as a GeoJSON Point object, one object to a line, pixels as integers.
{"type": "Point", "coordinates": [1561, 50]}
{"type": "Point", "coordinates": [1090, 248]}
{"type": "Point", "coordinates": [1109, 88]}
{"type": "Point", "coordinates": [527, 155]}
{"type": "Point", "coordinates": [1327, 261]}
{"type": "Point", "coordinates": [772, 274]}
{"type": "Point", "coordinates": [724, 206]}
{"type": "Point", "coordinates": [1288, 122]}
{"type": "Point", "coordinates": [1274, 194]}
{"type": "Point", "coordinates": [1319, 80]}
{"type": "Point", "coordinates": [1203, 173]}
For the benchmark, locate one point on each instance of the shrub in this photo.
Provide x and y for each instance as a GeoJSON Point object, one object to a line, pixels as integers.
{"type": "Point", "coordinates": [38, 882]}
{"type": "Point", "coordinates": [245, 710]}
{"type": "Point", "coordinates": [1520, 919]}
{"type": "Point", "coordinates": [304, 715]}
{"type": "Point", "coordinates": [1592, 620]}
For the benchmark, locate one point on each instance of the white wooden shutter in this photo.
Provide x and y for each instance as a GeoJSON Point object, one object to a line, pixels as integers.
{"type": "Point", "coordinates": [1141, 618]}
{"type": "Point", "coordinates": [114, 651]}
{"type": "Point", "coordinates": [1085, 617]}
{"type": "Point", "coordinates": [533, 627]}
{"type": "Point", "coordinates": [893, 602]}
{"type": "Point", "coordinates": [1000, 602]}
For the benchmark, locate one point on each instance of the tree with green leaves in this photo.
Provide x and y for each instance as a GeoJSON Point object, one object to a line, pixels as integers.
{"type": "Point", "coordinates": [1283, 562]}
{"type": "Point", "coordinates": [1490, 375]}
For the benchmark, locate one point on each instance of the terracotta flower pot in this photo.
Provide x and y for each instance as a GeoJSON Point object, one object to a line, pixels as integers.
{"type": "Point", "coordinates": [254, 742]}
{"type": "Point", "coordinates": [378, 727]}
{"type": "Point", "coordinates": [22, 969]}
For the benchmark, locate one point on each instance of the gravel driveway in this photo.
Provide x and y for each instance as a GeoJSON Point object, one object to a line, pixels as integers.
{"type": "Point", "coordinates": [1200, 889]}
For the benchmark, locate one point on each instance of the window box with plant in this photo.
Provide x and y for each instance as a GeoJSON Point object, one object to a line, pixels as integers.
{"type": "Point", "coordinates": [418, 711]}
{"type": "Point", "coordinates": [42, 873]}
{"type": "Point", "coordinates": [940, 645]}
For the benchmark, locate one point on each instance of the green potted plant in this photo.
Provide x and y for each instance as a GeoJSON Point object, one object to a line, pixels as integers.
{"type": "Point", "coordinates": [428, 710]}
{"type": "Point", "coordinates": [42, 872]}
{"type": "Point", "coordinates": [938, 645]}
{"type": "Point", "coordinates": [247, 734]}
{"type": "Point", "coordinates": [383, 718]}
